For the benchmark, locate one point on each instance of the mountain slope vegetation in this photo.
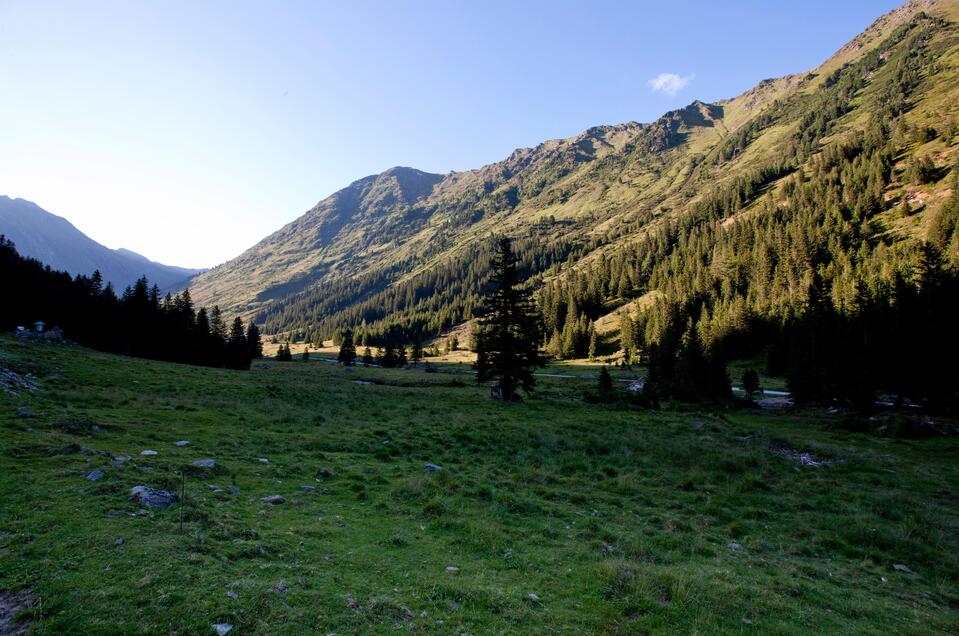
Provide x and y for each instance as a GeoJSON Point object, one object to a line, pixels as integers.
{"type": "Point", "coordinates": [829, 190]}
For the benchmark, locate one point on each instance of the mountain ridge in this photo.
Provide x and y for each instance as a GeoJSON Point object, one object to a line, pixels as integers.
{"type": "Point", "coordinates": [589, 194]}
{"type": "Point", "coordinates": [55, 241]}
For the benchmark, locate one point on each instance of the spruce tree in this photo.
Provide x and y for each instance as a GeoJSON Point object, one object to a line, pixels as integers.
{"type": "Point", "coordinates": [347, 354]}
{"type": "Point", "coordinates": [253, 341]}
{"type": "Point", "coordinates": [509, 332]}
{"type": "Point", "coordinates": [238, 356]}
{"type": "Point", "coordinates": [605, 382]}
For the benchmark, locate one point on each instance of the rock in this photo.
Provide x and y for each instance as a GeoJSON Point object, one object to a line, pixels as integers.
{"type": "Point", "coordinates": [273, 499]}
{"type": "Point", "coordinates": [308, 488]}
{"type": "Point", "coordinates": [152, 497]}
{"type": "Point", "coordinates": [280, 587]}
{"type": "Point", "coordinates": [182, 442]}
{"type": "Point", "coordinates": [636, 385]}
{"type": "Point", "coordinates": [234, 490]}
{"type": "Point", "coordinates": [452, 569]}
{"type": "Point", "coordinates": [607, 548]}
{"type": "Point", "coordinates": [148, 453]}
{"type": "Point", "coordinates": [95, 475]}
{"type": "Point", "coordinates": [732, 545]}
{"type": "Point", "coordinates": [214, 488]}
{"type": "Point", "coordinates": [746, 621]}
{"type": "Point", "coordinates": [263, 460]}
{"type": "Point", "coordinates": [203, 463]}
{"type": "Point", "coordinates": [697, 426]}
{"type": "Point", "coordinates": [326, 473]}
{"type": "Point", "coordinates": [222, 629]}
{"type": "Point", "coordinates": [118, 541]}
{"type": "Point", "coordinates": [122, 458]}
{"type": "Point", "coordinates": [95, 428]}
{"type": "Point", "coordinates": [899, 567]}
{"type": "Point", "coordinates": [233, 595]}
{"type": "Point", "coordinates": [532, 596]}
{"type": "Point", "coordinates": [433, 468]}
{"type": "Point", "coordinates": [24, 412]}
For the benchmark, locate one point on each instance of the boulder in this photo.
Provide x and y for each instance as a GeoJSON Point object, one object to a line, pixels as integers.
{"type": "Point", "coordinates": [273, 499]}
{"type": "Point", "coordinates": [95, 475]}
{"type": "Point", "coordinates": [153, 497]}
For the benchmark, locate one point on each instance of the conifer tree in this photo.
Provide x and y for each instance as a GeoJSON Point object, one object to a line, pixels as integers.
{"type": "Point", "coordinates": [253, 341]}
{"type": "Point", "coordinates": [347, 354]}
{"type": "Point", "coordinates": [509, 333]}
{"type": "Point", "coordinates": [238, 356]}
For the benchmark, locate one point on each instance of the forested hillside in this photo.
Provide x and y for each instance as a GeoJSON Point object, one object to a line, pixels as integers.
{"type": "Point", "coordinates": [813, 217]}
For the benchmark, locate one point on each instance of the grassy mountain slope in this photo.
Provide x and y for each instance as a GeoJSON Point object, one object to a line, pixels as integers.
{"type": "Point", "coordinates": [621, 522]}
{"type": "Point", "coordinates": [414, 246]}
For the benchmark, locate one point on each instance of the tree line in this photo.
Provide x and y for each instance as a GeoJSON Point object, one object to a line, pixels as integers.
{"type": "Point", "coordinates": [139, 322]}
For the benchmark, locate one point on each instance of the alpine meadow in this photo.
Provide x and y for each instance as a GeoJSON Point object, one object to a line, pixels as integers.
{"type": "Point", "coordinates": [694, 376]}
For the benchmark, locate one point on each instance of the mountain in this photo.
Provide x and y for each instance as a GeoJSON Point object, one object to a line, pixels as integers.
{"type": "Point", "coordinates": [831, 179]}
{"type": "Point", "coordinates": [54, 241]}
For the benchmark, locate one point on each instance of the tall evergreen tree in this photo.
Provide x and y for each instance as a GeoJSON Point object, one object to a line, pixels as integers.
{"type": "Point", "coordinates": [509, 332]}
{"type": "Point", "coordinates": [237, 353]}
{"type": "Point", "coordinates": [254, 342]}
{"type": "Point", "coordinates": [347, 354]}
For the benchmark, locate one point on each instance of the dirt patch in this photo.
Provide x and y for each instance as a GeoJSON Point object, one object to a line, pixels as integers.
{"type": "Point", "coordinates": [11, 605]}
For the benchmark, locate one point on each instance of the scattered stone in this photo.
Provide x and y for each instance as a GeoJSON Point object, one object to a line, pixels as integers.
{"type": "Point", "coordinates": [746, 621]}
{"type": "Point", "coordinates": [636, 385]}
{"type": "Point", "coordinates": [453, 605]}
{"type": "Point", "coordinates": [95, 475]}
{"type": "Point", "coordinates": [273, 499]}
{"type": "Point", "coordinates": [214, 488]}
{"type": "Point", "coordinates": [96, 428]}
{"type": "Point", "coordinates": [452, 569]}
{"type": "Point", "coordinates": [233, 595]}
{"type": "Point", "coordinates": [732, 545]}
{"type": "Point", "coordinates": [308, 488]}
{"type": "Point", "coordinates": [152, 497]}
{"type": "Point", "coordinates": [203, 463]}
{"type": "Point", "coordinates": [433, 468]}
{"type": "Point", "coordinates": [280, 587]}
{"type": "Point", "coordinates": [122, 458]}
{"type": "Point", "coordinates": [532, 596]}
{"type": "Point", "coordinates": [182, 442]}
{"type": "Point", "coordinates": [222, 629]}
{"type": "Point", "coordinates": [234, 490]}
{"type": "Point", "coordinates": [263, 460]}
{"type": "Point", "coordinates": [148, 453]}
{"type": "Point", "coordinates": [24, 412]}
{"type": "Point", "coordinates": [119, 541]}
{"type": "Point", "coordinates": [805, 459]}
{"type": "Point", "coordinates": [10, 606]}
{"type": "Point", "coordinates": [365, 382]}
{"type": "Point", "coordinates": [606, 548]}
{"type": "Point", "coordinates": [899, 567]}
{"type": "Point", "coordinates": [326, 473]}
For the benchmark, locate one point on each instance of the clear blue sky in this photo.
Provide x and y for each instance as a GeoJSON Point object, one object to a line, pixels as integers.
{"type": "Point", "coordinates": [189, 130]}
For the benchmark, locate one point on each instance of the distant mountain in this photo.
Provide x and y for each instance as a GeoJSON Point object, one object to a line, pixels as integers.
{"type": "Point", "coordinates": [622, 212]}
{"type": "Point", "coordinates": [54, 241]}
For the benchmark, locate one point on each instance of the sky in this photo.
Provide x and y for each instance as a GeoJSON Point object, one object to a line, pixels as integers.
{"type": "Point", "coordinates": [189, 130]}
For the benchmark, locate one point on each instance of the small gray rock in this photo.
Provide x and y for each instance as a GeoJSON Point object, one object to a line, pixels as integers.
{"type": "Point", "coordinates": [326, 473]}
{"type": "Point", "coordinates": [234, 490]}
{"type": "Point", "coordinates": [532, 596]}
{"type": "Point", "coordinates": [203, 463]}
{"type": "Point", "coordinates": [182, 442]}
{"type": "Point", "coordinates": [263, 460]}
{"type": "Point", "coordinates": [433, 468]}
{"type": "Point", "coordinates": [122, 458]}
{"type": "Point", "coordinates": [899, 567]}
{"type": "Point", "coordinates": [152, 497]}
{"type": "Point", "coordinates": [95, 475]}
{"type": "Point", "coordinates": [233, 595]}
{"type": "Point", "coordinates": [452, 569]}
{"type": "Point", "coordinates": [148, 453]}
{"type": "Point", "coordinates": [732, 545]}
{"type": "Point", "coordinates": [118, 542]}
{"type": "Point", "coordinates": [309, 488]}
{"type": "Point", "coordinates": [222, 629]}
{"type": "Point", "coordinates": [273, 499]}
{"type": "Point", "coordinates": [214, 488]}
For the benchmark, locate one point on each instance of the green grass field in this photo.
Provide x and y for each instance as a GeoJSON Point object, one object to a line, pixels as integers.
{"type": "Point", "coordinates": [617, 521]}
